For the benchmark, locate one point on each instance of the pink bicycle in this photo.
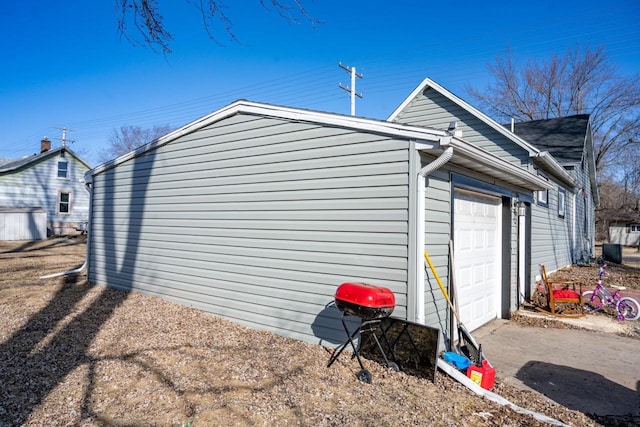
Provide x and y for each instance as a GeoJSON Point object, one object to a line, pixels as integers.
{"type": "Point", "coordinates": [601, 298]}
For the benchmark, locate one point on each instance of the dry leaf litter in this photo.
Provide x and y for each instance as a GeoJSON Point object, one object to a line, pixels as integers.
{"type": "Point", "coordinates": [76, 354]}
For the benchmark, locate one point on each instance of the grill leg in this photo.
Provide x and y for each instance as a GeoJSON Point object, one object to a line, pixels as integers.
{"type": "Point", "coordinates": [350, 337]}
{"type": "Point", "coordinates": [372, 327]}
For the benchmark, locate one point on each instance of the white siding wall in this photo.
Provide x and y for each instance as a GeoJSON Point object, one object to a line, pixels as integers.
{"type": "Point", "coordinates": [39, 186]}
{"type": "Point", "coordinates": [23, 224]}
{"type": "Point", "coordinates": [258, 220]}
{"type": "Point", "coordinates": [621, 235]}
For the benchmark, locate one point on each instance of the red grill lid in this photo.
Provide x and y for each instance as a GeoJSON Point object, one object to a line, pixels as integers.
{"type": "Point", "coordinates": [365, 295]}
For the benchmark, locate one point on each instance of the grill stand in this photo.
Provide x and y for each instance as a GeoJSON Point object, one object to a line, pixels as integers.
{"type": "Point", "coordinates": [367, 328]}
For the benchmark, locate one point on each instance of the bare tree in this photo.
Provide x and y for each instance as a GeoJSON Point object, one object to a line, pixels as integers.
{"type": "Point", "coordinates": [619, 199]}
{"type": "Point", "coordinates": [627, 173]}
{"type": "Point", "coordinates": [128, 138]}
{"type": "Point", "coordinates": [141, 22]}
{"type": "Point", "coordinates": [577, 82]}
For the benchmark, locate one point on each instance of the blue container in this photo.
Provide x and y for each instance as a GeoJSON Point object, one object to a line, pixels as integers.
{"type": "Point", "coordinates": [457, 360]}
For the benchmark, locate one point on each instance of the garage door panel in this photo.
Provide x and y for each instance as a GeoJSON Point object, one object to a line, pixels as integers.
{"type": "Point", "coordinates": [463, 279]}
{"type": "Point", "coordinates": [477, 257]}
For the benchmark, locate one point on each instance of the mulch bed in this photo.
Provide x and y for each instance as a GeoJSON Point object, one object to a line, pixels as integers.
{"type": "Point", "coordinates": [76, 354]}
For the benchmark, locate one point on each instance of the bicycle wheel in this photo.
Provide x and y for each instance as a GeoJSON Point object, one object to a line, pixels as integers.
{"type": "Point", "coordinates": [628, 308]}
{"type": "Point", "coordinates": [592, 301]}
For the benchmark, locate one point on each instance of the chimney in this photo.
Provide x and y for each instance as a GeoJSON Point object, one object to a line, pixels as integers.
{"type": "Point", "coordinates": [45, 145]}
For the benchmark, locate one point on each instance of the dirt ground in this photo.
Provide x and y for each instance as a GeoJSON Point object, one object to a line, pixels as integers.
{"type": "Point", "coordinates": [72, 353]}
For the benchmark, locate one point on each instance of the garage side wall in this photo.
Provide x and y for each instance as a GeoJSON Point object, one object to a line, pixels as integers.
{"type": "Point", "coordinates": [258, 220]}
{"type": "Point", "coordinates": [437, 231]}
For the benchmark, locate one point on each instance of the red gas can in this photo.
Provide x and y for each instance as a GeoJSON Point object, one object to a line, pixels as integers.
{"type": "Point", "coordinates": [484, 375]}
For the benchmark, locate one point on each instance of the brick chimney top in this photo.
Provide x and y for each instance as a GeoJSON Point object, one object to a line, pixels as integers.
{"type": "Point", "coordinates": [45, 145]}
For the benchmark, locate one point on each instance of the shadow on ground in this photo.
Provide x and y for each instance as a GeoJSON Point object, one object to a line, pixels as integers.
{"type": "Point", "coordinates": [38, 357]}
{"type": "Point", "coordinates": [603, 400]}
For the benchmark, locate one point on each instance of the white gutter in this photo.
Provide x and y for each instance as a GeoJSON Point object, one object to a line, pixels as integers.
{"type": "Point", "coordinates": [480, 156]}
{"type": "Point", "coordinates": [554, 167]}
{"type": "Point", "coordinates": [462, 379]}
{"type": "Point", "coordinates": [66, 273]}
{"type": "Point", "coordinates": [420, 207]}
{"type": "Point", "coordinates": [88, 187]}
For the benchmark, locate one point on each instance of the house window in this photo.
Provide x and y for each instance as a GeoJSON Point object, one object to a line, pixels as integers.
{"type": "Point", "coordinates": [63, 169]}
{"type": "Point", "coordinates": [64, 203]}
{"type": "Point", "coordinates": [634, 228]}
{"type": "Point", "coordinates": [543, 195]}
{"type": "Point", "coordinates": [543, 198]}
{"type": "Point", "coordinates": [561, 202]}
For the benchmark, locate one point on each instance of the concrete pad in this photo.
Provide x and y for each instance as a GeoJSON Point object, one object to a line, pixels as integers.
{"type": "Point", "coordinates": [590, 371]}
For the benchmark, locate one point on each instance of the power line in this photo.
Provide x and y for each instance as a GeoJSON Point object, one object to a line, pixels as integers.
{"type": "Point", "coordinates": [310, 88]}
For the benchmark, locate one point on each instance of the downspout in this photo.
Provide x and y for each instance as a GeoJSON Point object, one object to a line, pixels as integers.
{"type": "Point", "coordinates": [420, 207]}
{"type": "Point", "coordinates": [475, 388]}
{"type": "Point", "coordinates": [574, 245]}
{"type": "Point", "coordinates": [89, 188]}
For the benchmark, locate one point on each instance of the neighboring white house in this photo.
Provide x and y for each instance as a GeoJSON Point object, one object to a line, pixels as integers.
{"type": "Point", "coordinates": [53, 181]}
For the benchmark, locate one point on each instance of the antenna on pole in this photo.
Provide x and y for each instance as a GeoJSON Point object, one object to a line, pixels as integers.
{"type": "Point", "coordinates": [352, 89]}
{"type": "Point", "coordinates": [64, 136]}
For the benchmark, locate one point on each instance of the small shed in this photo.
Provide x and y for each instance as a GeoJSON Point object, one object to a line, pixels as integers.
{"type": "Point", "coordinates": [23, 223]}
{"type": "Point", "coordinates": [625, 233]}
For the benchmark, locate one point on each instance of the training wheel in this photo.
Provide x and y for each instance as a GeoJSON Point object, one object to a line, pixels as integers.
{"type": "Point", "coordinates": [364, 376]}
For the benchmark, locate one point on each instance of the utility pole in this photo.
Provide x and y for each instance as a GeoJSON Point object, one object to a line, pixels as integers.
{"type": "Point", "coordinates": [352, 89]}
{"type": "Point", "coordinates": [64, 136]}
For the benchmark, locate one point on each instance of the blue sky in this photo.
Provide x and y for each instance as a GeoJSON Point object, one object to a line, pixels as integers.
{"type": "Point", "coordinates": [65, 65]}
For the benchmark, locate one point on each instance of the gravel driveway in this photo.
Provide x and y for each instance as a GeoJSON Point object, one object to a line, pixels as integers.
{"type": "Point", "coordinates": [76, 354]}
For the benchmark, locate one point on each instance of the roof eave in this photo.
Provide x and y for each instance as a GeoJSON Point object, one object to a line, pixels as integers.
{"type": "Point", "coordinates": [551, 165]}
{"type": "Point", "coordinates": [473, 158]}
{"type": "Point", "coordinates": [37, 157]}
{"type": "Point", "coordinates": [499, 167]}
{"type": "Point", "coordinates": [246, 107]}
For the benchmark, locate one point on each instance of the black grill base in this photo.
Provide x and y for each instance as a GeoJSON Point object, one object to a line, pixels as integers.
{"type": "Point", "coordinates": [363, 312]}
{"type": "Point", "coordinates": [367, 328]}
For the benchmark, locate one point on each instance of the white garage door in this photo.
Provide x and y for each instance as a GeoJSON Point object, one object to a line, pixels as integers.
{"type": "Point", "coordinates": [477, 257]}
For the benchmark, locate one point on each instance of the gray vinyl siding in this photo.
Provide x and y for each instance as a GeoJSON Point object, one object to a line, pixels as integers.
{"type": "Point", "coordinates": [551, 235]}
{"type": "Point", "coordinates": [585, 212]}
{"type": "Point", "coordinates": [437, 235]}
{"type": "Point", "coordinates": [257, 220]}
{"type": "Point", "coordinates": [38, 185]}
{"type": "Point", "coordinates": [433, 110]}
